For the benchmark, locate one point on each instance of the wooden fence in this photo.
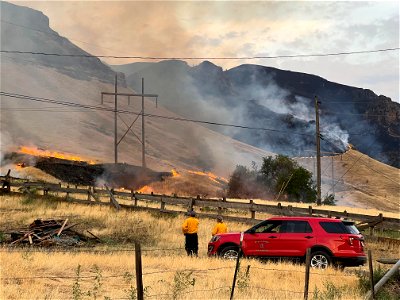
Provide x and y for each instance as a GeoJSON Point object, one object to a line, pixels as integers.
{"type": "Point", "coordinates": [208, 207]}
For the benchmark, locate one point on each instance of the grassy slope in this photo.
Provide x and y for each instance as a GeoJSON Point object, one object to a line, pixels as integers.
{"type": "Point", "coordinates": [360, 181]}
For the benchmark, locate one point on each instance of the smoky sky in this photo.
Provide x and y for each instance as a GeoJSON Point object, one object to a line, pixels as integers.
{"type": "Point", "coordinates": [235, 29]}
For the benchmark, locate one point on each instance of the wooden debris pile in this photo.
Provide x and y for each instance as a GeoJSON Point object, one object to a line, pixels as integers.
{"type": "Point", "coordinates": [48, 233]}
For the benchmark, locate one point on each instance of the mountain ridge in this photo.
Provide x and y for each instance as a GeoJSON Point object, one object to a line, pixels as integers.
{"type": "Point", "coordinates": [246, 93]}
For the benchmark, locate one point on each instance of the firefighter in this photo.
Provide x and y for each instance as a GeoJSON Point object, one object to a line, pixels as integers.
{"type": "Point", "coordinates": [220, 227]}
{"type": "Point", "coordinates": [189, 229]}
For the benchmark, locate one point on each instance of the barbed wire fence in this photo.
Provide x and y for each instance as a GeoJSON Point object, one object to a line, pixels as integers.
{"type": "Point", "coordinates": [180, 289]}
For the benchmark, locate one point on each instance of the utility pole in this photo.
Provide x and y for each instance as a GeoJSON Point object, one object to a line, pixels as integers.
{"type": "Point", "coordinates": [333, 179]}
{"type": "Point", "coordinates": [116, 142]}
{"type": "Point", "coordinates": [115, 122]}
{"type": "Point", "coordinates": [143, 139]}
{"type": "Point", "coordinates": [317, 140]}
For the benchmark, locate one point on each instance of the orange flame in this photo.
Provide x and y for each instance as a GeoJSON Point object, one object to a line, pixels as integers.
{"type": "Point", "coordinates": [175, 173]}
{"type": "Point", "coordinates": [145, 190]}
{"type": "Point", "coordinates": [210, 176]}
{"type": "Point", "coordinates": [47, 153]}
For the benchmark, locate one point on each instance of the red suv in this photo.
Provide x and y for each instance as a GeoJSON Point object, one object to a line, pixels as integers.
{"type": "Point", "coordinates": [332, 241]}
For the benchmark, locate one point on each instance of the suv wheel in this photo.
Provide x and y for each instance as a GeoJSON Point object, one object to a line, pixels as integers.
{"type": "Point", "coordinates": [230, 252]}
{"type": "Point", "coordinates": [320, 260]}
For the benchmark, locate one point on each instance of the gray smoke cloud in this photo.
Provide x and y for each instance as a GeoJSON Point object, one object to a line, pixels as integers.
{"type": "Point", "coordinates": [205, 92]}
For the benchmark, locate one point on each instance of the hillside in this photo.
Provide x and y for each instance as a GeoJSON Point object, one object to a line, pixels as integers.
{"type": "Point", "coordinates": [89, 133]}
{"type": "Point", "coordinates": [280, 101]}
{"type": "Point", "coordinates": [358, 180]}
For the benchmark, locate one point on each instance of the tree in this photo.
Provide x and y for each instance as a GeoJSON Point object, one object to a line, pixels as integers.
{"type": "Point", "coordinates": [241, 182]}
{"type": "Point", "coordinates": [277, 175]}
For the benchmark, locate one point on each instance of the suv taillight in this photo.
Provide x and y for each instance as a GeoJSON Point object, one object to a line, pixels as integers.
{"type": "Point", "coordinates": [348, 239]}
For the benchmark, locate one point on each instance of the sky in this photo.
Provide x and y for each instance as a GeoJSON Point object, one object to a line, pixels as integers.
{"type": "Point", "coordinates": [242, 29]}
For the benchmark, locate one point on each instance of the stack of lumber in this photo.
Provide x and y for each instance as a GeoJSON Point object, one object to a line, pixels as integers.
{"type": "Point", "coordinates": [48, 233]}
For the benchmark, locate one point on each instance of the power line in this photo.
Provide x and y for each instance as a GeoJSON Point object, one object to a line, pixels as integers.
{"type": "Point", "coordinates": [201, 57]}
{"type": "Point", "coordinates": [101, 108]}
{"type": "Point", "coordinates": [37, 109]}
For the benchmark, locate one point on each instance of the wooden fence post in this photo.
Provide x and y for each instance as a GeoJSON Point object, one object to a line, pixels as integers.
{"type": "Point", "coordinates": [307, 276]}
{"type": "Point", "coordinates": [67, 195]}
{"type": "Point", "coordinates": [310, 210]}
{"type": "Point", "coordinates": [252, 211]}
{"type": "Point", "coordinates": [138, 266]}
{"type": "Point", "coordinates": [191, 204]}
{"type": "Point", "coordinates": [219, 207]}
{"type": "Point", "coordinates": [237, 265]}
{"type": "Point", "coordinates": [88, 194]}
{"type": "Point", "coordinates": [133, 198]}
{"type": "Point", "coordinates": [6, 182]}
{"type": "Point", "coordinates": [371, 274]}
{"type": "Point", "coordinates": [162, 205]}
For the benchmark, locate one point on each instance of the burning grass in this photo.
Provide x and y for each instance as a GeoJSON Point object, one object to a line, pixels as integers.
{"type": "Point", "coordinates": [34, 151]}
{"type": "Point", "coordinates": [188, 183]}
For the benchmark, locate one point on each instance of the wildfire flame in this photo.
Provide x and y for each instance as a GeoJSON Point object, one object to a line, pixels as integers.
{"type": "Point", "coordinates": [175, 173]}
{"type": "Point", "coordinates": [47, 153]}
{"type": "Point", "coordinates": [145, 190]}
{"type": "Point", "coordinates": [210, 176]}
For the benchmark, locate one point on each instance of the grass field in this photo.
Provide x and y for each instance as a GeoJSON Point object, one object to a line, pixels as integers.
{"type": "Point", "coordinates": [107, 270]}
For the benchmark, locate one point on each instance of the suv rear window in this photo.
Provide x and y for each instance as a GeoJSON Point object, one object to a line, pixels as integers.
{"type": "Point", "coordinates": [351, 228]}
{"type": "Point", "coordinates": [334, 227]}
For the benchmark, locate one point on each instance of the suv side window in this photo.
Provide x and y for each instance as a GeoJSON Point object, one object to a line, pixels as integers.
{"type": "Point", "coordinates": [295, 227]}
{"type": "Point", "coordinates": [267, 227]}
{"type": "Point", "coordinates": [334, 227]}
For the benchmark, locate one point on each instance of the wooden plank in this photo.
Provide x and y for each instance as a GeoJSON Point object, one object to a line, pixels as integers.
{"type": "Point", "coordinates": [22, 238]}
{"type": "Point", "coordinates": [112, 199]}
{"type": "Point", "coordinates": [95, 197]}
{"type": "Point", "coordinates": [30, 239]}
{"type": "Point", "coordinates": [388, 261]}
{"type": "Point", "coordinates": [62, 227]}
{"type": "Point", "coordinates": [96, 237]}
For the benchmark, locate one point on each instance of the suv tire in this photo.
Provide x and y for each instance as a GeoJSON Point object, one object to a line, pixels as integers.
{"type": "Point", "coordinates": [320, 260]}
{"type": "Point", "coordinates": [230, 252]}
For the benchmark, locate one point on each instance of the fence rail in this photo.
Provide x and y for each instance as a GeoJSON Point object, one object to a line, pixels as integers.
{"type": "Point", "coordinates": [220, 206]}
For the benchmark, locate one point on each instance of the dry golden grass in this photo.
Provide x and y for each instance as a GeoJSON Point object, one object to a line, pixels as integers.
{"type": "Point", "coordinates": [360, 180]}
{"type": "Point", "coordinates": [213, 277]}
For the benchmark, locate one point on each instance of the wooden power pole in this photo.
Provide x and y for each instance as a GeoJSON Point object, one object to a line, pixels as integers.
{"type": "Point", "coordinates": [115, 122]}
{"type": "Point", "coordinates": [317, 140]}
{"type": "Point", "coordinates": [116, 142]}
{"type": "Point", "coordinates": [143, 139]}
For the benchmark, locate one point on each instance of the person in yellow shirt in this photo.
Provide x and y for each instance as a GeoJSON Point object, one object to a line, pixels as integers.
{"type": "Point", "coordinates": [189, 229]}
{"type": "Point", "coordinates": [220, 227]}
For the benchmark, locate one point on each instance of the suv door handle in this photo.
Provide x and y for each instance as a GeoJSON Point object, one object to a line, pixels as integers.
{"type": "Point", "coordinates": [272, 237]}
{"type": "Point", "coordinates": [308, 237]}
